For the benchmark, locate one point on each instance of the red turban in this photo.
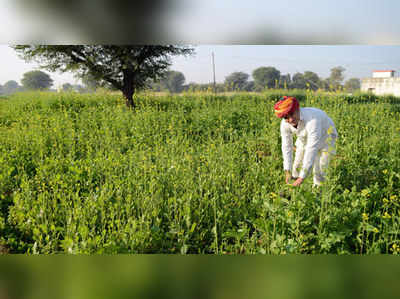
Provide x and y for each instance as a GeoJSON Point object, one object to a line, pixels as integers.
{"type": "Point", "coordinates": [285, 106]}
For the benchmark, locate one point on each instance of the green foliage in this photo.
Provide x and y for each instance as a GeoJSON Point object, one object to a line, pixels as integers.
{"type": "Point", "coordinates": [312, 80]}
{"type": "Point", "coordinates": [36, 80]}
{"type": "Point", "coordinates": [90, 82]}
{"type": "Point", "coordinates": [266, 77]}
{"type": "Point", "coordinates": [298, 81]}
{"type": "Point", "coordinates": [285, 81]}
{"type": "Point", "coordinates": [173, 81]}
{"type": "Point", "coordinates": [352, 84]}
{"type": "Point", "coordinates": [194, 173]}
{"type": "Point", "coordinates": [67, 87]}
{"type": "Point", "coordinates": [237, 81]}
{"type": "Point", "coordinates": [10, 86]}
{"type": "Point", "coordinates": [336, 77]}
{"type": "Point", "coordinates": [207, 87]}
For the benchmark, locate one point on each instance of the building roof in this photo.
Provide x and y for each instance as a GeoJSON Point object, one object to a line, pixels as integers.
{"type": "Point", "coordinates": [383, 71]}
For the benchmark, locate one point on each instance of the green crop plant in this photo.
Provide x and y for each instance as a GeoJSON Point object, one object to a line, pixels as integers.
{"type": "Point", "coordinates": [192, 173]}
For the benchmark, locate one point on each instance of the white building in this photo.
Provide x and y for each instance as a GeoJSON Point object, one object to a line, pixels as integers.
{"type": "Point", "coordinates": [382, 82]}
{"type": "Point", "coordinates": [383, 74]}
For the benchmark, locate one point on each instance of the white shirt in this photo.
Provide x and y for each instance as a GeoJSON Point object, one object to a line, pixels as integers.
{"type": "Point", "coordinates": [315, 131]}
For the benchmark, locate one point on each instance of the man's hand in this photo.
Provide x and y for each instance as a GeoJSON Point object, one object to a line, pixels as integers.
{"type": "Point", "coordinates": [298, 182]}
{"type": "Point", "coordinates": [288, 177]}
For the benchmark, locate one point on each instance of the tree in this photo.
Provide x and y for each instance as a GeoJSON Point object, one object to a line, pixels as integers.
{"type": "Point", "coordinates": [67, 87]}
{"type": "Point", "coordinates": [285, 81]}
{"type": "Point", "coordinates": [325, 84]}
{"type": "Point", "coordinates": [36, 80]}
{"type": "Point", "coordinates": [266, 77]}
{"type": "Point", "coordinates": [90, 83]}
{"type": "Point", "coordinates": [126, 68]}
{"type": "Point", "coordinates": [156, 86]}
{"type": "Point", "coordinates": [312, 80]}
{"type": "Point", "coordinates": [336, 77]}
{"type": "Point", "coordinates": [1, 89]}
{"type": "Point", "coordinates": [249, 86]}
{"type": "Point", "coordinates": [191, 86]}
{"type": "Point", "coordinates": [352, 84]}
{"type": "Point", "coordinates": [173, 81]}
{"type": "Point", "coordinates": [236, 81]}
{"type": "Point", "coordinates": [79, 88]}
{"type": "Point", "coordinates": [10, 86]}
{"type": "Point", "coordinates": [298, 81]}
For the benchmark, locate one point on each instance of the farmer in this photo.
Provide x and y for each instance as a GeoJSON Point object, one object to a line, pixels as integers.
{"type": "Point", "coordinates": [315, 144]}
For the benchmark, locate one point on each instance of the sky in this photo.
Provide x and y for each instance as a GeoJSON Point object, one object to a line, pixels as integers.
{"type": "Point", "coordinates": [358, 60]}
{"type": "Point", "coordinates": [292, 36]}
{"type": "Point", "coordinates": [12, 68]}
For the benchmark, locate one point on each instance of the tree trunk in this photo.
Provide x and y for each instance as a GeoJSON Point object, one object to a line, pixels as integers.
{"type": "Point", "coordinates": [128, 94]}
{"type": "Point", "coordinates": [128, 89]}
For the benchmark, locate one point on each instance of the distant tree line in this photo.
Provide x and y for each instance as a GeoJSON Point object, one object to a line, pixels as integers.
{"type": "Point", "coordinates": [173, 81]}
{"type": "Point", "coordinates": [10, 87]}
{"type": "Point", "coordinates": [38, 80]}
{"type": "Point", "coordinates": [263, 78]}
{"type": "Point", "coordinates": [130, 69]}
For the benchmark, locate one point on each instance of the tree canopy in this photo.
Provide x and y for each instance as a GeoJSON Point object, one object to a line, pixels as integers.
{"type": "Point", "coordinates": [285, 81]}
{"type": "Point", "coordinates": [173, 81]}
{"type": "Point", "coordinates": [352, 84]}
{"type": "Point", "coordinates": [266, 77]}
{"type": "Point", "coordinates": [90, 83]}
{"type": "Point", "coordinates": [298, 81]}
{"type": "Point", "coordinates": [336, 77]}
{"type": "Point", "coordinates": [313, 82]}
{"type": "Point", "coordinates": [36, 80]}
{"type": "Point", "coordinates": [237, 81]}
{"type": "Point", "coordinates": [67, 87]}
{"type": "Point", "coordinates": [126, 68]}
{"type": "Point", "coordinates": [10, 86]}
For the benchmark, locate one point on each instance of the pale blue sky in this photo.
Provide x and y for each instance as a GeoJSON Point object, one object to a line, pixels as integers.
{"type": "Point", "coordinates": [215, 23]}
{"type": "Point", "coordinates": [13, 68]}
{"type": "Point", "coordinates": [359, 61]}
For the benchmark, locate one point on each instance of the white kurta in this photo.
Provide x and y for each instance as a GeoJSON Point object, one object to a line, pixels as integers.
{"type": "Point", "coordinates": [316, 137]}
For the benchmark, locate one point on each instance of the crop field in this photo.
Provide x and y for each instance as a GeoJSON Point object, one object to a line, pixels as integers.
{"type": "Point", "coordinates": [192, 173]}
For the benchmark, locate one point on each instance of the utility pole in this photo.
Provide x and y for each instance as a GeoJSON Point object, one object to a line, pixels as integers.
{"type": "Point", "coordinates": [215, 90]}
